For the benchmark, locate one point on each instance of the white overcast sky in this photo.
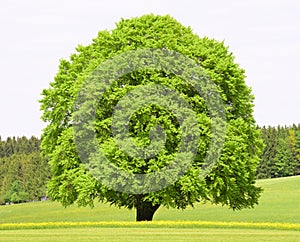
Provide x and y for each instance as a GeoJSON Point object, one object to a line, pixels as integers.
{"type": "Point", "coordinates": [264, 36]}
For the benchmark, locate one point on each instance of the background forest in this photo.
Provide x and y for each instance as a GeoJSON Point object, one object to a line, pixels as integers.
{"type": "Point", "coordinates": [24, 173]}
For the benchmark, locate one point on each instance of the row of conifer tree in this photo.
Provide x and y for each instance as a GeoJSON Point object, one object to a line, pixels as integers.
{"type": "Point", "coordinates": [281, 155]}
{"type": "Point", "coordinates": [24, 173]}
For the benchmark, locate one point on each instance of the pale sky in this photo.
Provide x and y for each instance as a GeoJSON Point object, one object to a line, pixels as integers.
{"type": "Point", "coordinates": [264, 36]}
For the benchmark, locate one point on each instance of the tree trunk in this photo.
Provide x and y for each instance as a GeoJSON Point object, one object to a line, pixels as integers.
{"type": "Point", "coordinates": [144, 210]}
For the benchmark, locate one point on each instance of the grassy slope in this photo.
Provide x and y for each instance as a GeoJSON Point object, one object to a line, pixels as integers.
{"type": "Point", "coordinates": [280, 202]}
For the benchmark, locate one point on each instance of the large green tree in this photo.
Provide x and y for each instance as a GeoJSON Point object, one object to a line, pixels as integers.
{"type": "Point", "coordinates": [231, 180]}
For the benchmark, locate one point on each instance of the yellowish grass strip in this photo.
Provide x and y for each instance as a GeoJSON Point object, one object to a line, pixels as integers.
{"type": "Point", "coordinates": [179, 224]}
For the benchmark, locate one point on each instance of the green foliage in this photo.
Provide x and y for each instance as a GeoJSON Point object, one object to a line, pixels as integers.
{"type": "Point", "coordinates": [19, 145]}
{"type": "Point", "coordinates": [280, 156]}
{"type": "Point", "coordinates": [16, 193]}
{"type": "Point", "coordinates": [294, 138]}
{"type": "Point", "coordinates": [231, 181]}
{"type": "Point", "coordinates": [23, 172]}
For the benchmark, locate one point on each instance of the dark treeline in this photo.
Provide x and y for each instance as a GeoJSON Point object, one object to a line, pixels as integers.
{"type": "Point", "coordinates": [23, 173]}
{"type": "Point", "coordinates": [281, 155]}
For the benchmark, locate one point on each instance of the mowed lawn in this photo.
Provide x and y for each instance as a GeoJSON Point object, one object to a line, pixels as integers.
{"type": "Point", "coordinates": [148, 234]}
{"type": "Point", "coordinates": [280, 203]}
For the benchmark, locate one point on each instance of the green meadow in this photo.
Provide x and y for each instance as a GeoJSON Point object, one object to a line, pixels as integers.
{"type": "Point", "coordinates": [149, 234]}
{"type": "Point", "coordinates": [276, 218]}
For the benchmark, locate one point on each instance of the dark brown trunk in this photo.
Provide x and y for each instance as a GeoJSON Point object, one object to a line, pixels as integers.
{"type": "Point", "coordinates": [144, 210]}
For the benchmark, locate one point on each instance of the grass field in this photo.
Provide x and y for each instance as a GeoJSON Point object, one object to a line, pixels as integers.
{"type": "Point", "coordinates": [276, 218]}
{"type": "Point", "coordinates": [148, 234]}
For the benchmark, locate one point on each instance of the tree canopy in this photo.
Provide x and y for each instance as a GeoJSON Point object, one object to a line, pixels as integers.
{"type": "Point", "coordinates": [231, 181]}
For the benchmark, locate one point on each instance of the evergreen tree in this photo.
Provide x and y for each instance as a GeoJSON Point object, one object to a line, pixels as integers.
{"type": "Point", "coordinates": [266, 167]}
{"type": "Point", "coordinates": [284, 160]}
{"type": "Point", "coordinates": [294, 136]}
